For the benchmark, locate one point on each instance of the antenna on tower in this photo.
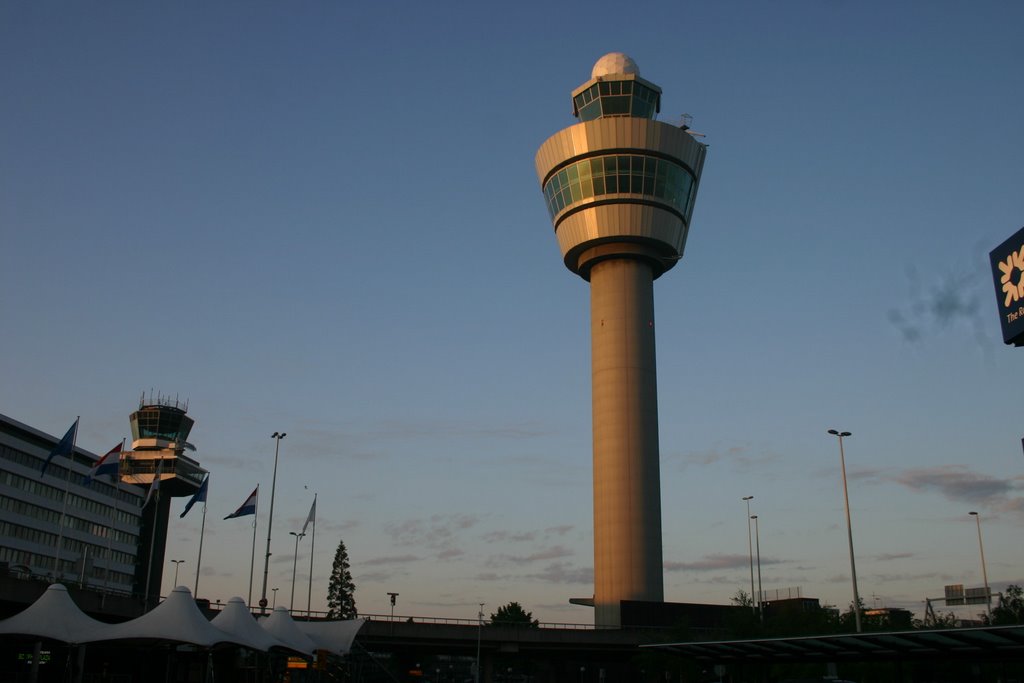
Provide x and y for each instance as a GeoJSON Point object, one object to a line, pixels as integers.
{"type": "Point", "coordinates": [684, 122]}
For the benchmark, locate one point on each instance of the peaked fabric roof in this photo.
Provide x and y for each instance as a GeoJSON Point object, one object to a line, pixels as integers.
{"type": "Point", "coordinates": [177, 619]}
{"type": "Point", "coordinates": [54, 615]}
{"type": "Point", "coordinates": [281, 625]}
{"type": "Point", "coordinates": [336, 636]}
{"type": "Point", "coordinates": [236, 620]}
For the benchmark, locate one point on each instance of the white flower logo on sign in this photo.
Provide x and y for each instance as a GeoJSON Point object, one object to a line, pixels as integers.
{"type": "Point", "coordinates": [1014, 290]}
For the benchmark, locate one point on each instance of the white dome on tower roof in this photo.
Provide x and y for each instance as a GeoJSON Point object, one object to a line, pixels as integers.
{"type": "Point", "coordinates": [615, 63]}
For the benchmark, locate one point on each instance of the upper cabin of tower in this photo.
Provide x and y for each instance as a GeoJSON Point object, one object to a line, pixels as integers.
{"type": "Point", "coordinates": [616, 89]}
{"type": "Point", "coordinates": [160, 422]}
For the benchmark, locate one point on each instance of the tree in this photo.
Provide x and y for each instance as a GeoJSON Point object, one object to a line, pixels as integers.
{"type": "Point", "coordinates": [513, 614]}
{"type": "Point", "coordinates": [742, 599]}
{"type": "Point", "coordinates": [341, 601]}
{"type": "Point", "coordinates": [1011, 607]}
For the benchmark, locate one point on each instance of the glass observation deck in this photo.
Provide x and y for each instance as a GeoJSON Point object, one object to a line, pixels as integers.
{"type": "Point", "coordinates": [160, 421]}
{"type": "Point", "coordinates": [619, 95]}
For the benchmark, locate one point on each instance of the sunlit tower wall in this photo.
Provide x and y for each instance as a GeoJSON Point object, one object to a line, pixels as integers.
{"type": "Point", "coordinates": [620, 188]}
{"type": "Point", "coordinates": [160, 432]}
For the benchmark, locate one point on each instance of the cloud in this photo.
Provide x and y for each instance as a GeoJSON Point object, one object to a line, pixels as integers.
{"type": "Point", "coordinates": [550, 553]}
{"type": "Point", "coordinates": [952, 299]}
{"type": "Point", "coordinates": [555, 572]}
{"type": "Point", "coordinates": [449, 554]}
{"type": "Point", "coordinates": [505, 536]}
{"type": "Point", "coordinates": [885, 557]}
{"type": "Point", "coordinates": [562, 572]}
{"type": "Point", "coordinates": [712, 563]}
{"type": "Point", "coordinates": [931, 577]}
{"type": "Point", "coordinates": [509, 537]}
{"type": "Point", "coordinates": [375, 577]}
{"type": "Point", "coordinates": [736, 456]}
{"type": "Point", "coordinates": [437, 532]}
{"type": "Point", "coordinates": [391, 559]}
{"type": "Point", "coordinates": [329, 525]}
{"type": "Point", "coordinates": [320, 439]}
{"type": "Point", "coordinates": [957, 483]}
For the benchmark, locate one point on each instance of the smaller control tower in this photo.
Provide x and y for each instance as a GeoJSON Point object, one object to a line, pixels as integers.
{"type": "Point", "coordinates": [620, 188]}
{"type": "Point", "coordinates": [160, 430]}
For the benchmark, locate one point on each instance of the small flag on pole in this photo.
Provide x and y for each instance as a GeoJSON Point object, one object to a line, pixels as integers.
{"type": "Point", "coordinates": [63, 448]}
{"type": "Point", "coordinates": [246, 508]}
{"type": "Point", "coordinates": [311, 516]}
{"type": "Point", "coordinates": [108, 464]}
{"type": "Point", "coordinates": [155, 486]}
{"type": "Point", "coordinates": [198, 497]}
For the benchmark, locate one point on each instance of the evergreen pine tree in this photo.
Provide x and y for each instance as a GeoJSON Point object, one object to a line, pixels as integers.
{"type": "Point", "coordinates": [341, 601]}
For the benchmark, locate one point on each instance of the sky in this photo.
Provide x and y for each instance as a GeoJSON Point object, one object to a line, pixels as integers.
{"type": "Point", "coordinates": [324, 219]}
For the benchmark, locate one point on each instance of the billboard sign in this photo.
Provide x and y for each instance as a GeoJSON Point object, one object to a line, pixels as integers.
{"type": "Point", "coordinates": [1008, 273]}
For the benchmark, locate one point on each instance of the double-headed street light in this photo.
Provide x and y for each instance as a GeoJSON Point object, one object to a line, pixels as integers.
{"type": "Point", "coordinates": [849, 527]}
{"type": "Point", "coordinates": [984, 572]}
{"type": "Point", "coordinates": [295, 560]}
{"type": "Point", "coordinates": [750, 550]}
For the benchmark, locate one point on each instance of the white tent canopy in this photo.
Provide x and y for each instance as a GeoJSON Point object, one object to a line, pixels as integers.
{"type": "Point", "coordinates": [236, 620]}
{"type": "Point", "coordinates": [335, 636]}
{"type": "Point", "coordinates": [176, 619]}
{"type": "Point", "coordinates": [280, 625]}
{"type": "Point", "coordinates": [55, 616]}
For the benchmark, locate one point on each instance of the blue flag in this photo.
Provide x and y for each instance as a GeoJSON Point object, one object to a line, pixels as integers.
{"type": "Point", "coordinates": [108, 464]}
{"type": "Point", "coordinates": [248, 507]}
{"type": "Point", "coordinates": [63, 448]}
{"type": "Point", "coordinates": [198, 497]}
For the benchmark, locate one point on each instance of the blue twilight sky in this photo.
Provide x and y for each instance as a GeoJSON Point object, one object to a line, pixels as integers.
{"type": "Point", "coordinates": [323, 218]}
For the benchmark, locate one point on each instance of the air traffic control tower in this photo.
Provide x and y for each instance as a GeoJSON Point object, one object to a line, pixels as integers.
{"type": "Point", "coordinates": [620, 188]}
{"type": "Point", "coordinates": [160, 432]}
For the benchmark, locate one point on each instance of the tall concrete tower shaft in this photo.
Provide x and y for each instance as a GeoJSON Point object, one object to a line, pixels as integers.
{"type": "Point", "coordinates": [620, 188]}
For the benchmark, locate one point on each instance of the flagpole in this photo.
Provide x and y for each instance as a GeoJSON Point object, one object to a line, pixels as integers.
{"type": "Point", "coordinates": [270, 520]}
{"type": "Point", "coordinates": [252, 562]}
{"type": "Point", "coordinates": [154, 493]}
{"type": "Point", "coordinates": [312, 547]}
{"type": "Point", "coordinates": [152, 542]}
{"type": "Point", "coordinates": [64, 506]}
{"type": "Point", "coordinates": [113, 521]}
{"type": "Point", "coordinates": [199, 560]}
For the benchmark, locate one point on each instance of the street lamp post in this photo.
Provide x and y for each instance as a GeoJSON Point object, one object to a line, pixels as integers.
{"type": "Point", "coordinates": [849, 527]}
{"type": "Point", "coordinates": [176, 564]}
{"type": "Point", "coordinates": [479, 632]}
{"type": "Point", "coordinates": [984, 572]}
{"type": "Point", "coordinates": [274, 606]}
{"type": "Point", "coordinates": [270, 521]}
{"type": "Point", "coordinates": [394, 598]}
{"type": "Point", "coordinates": [750, 550]}
{"type": "Point", "coordinates": [760, 593]}
{"type": "Point", "coordinates": [295, 562]}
